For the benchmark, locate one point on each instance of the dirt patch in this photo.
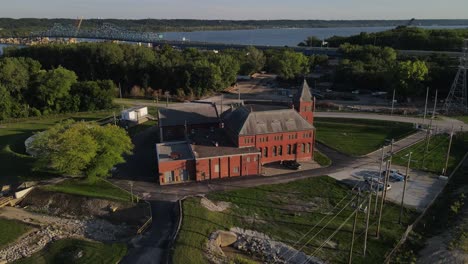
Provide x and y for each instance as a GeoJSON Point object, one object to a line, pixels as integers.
{"type": "Point", "coordinates": [81, 207]}
{"type": "Point", "coordinates": [214, 206]}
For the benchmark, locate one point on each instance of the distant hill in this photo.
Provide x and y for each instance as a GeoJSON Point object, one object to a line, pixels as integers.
{"type": "Point", "coordinates": [22, 27]}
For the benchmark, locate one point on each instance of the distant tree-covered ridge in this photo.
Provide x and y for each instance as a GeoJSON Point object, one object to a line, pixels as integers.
{"type": "Point", "coordinates": [21, 27]}
{"type": "Point", "coordinates": [403, 38]}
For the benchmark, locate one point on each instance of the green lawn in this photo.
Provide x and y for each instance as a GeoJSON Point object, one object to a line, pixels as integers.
{"type": "Point", "coordinates": [100, 189]}
{"type": "Point", "coordinates": [462, 118]}
{"type": "Point", "coordinates": [436, 155]}
{"type": "Point", "coordinates": [286, 212]}
{"type": "Point", "coordinates": [10, 230]}
{"type": "Point", "coordinates": [68, 251]}
{"type": "Point", "coordinates": [322, 159]}
{"type": "Point", "coordinates": [358, 136]}
{"type": "Point", "coordinates": [15, 166]}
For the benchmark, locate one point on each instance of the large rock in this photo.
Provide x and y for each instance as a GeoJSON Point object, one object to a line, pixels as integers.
{"type": "Point", "coordinates": [226, 238]}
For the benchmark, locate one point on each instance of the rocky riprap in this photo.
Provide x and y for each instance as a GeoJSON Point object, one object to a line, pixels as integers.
{"type": "Point", "coordinates": [261, 246]}
{"type": "Point", "coordinates": [96, 229]}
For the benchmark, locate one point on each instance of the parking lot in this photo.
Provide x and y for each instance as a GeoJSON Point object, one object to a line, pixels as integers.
{"type": "Point", "coordinates": [421, 187]}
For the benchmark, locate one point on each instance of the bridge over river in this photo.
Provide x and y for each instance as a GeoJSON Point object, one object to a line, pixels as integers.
{"type": "Point", "coordinates": [111, 32]}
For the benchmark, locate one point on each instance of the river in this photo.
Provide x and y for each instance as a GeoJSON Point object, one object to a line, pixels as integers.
{"type": "Point", "coordinates": [274, 37]}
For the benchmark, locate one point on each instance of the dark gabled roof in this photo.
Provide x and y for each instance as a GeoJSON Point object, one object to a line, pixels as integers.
{"type": "Point", "coordinates": [303, 95]}
{"type": "Point", "coordinates": [192, 113]}
{"type": "Point", "coordinates": [243, 121]}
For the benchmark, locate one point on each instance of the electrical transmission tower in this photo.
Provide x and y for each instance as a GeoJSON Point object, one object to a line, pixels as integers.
{"type": "Point", "coordinates": [457, 99]}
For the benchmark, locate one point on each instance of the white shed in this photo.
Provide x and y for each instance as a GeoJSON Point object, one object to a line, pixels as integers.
{"type": "Point", "coordinates": [134, 113]}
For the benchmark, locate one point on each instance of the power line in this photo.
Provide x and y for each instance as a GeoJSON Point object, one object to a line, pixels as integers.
{"type": "Point", "coordinates": [316, 234]}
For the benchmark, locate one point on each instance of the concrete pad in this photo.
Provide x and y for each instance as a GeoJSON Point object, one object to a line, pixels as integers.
{"type": "Point", "coordinates": [421, 187]}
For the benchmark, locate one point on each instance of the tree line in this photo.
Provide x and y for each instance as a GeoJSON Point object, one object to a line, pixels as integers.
{"type": "Point", "coordinates": [28, 90]}
{"type": "Point", "coordinates": [404, 38]}
{"type": "Point", "coordinates": [189, 73]}
{"type": "Point", "coordinates": [375, 68]}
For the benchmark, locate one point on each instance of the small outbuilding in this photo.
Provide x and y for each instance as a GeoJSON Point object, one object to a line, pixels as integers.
{"type": "Point", "coordinates": [135, 114]}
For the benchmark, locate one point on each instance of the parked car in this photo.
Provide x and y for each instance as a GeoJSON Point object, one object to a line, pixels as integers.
{"type": "Point", "coordinates": [394, 175]}
{"type": "Point", "coordinates": [292, 164]}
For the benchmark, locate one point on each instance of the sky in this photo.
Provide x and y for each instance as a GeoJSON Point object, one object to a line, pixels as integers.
{"type": "Point", "coordinates": [237, 9]}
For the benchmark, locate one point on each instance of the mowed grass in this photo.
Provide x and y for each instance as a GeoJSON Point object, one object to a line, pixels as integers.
{"type": "Point", "coordinates": [358, 136]}
{"type": "Point", "coordinates": [69, 251]}
{"type": "Point", "coordinates": [99, 189]}
{"type": "Point", "coordinates": [286, 212]}
{"type": "Point", "coordinates": [436, 155]}
{"type": "Point", "coordinates": [15, 166]}
{"type": "Point", "coordinates": [322, 159]}
{"type": "Point", "coordinates": [10, 230]}
{"type": "Point", "coordinates": [462, 118]}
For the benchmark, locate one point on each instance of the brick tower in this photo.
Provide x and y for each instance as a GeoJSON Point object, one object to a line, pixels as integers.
{"type": "Point", "coordinates": [304, 103]}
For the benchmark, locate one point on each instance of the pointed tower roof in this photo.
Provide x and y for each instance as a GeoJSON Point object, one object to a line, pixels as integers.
{"type": "Point", "coordinates": [303, 95]}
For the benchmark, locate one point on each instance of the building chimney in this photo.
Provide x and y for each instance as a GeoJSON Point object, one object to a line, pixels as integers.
{"type": "Point", "coordinates": [175, 155]}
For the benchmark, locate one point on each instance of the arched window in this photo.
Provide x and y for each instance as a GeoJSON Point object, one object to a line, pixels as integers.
{"type": "Point", "coordinates": [274, 151]}
{"type": "Point", "coordinates": [303, 148]}
{"type": "Point", "coordinates": [280, 150]}
{"type": "Point", "coordinates": [289, 149]}
{"type": "Point", "coordinates": [265, 152]}
{"type": "Point", "coordinates": [308, 148]}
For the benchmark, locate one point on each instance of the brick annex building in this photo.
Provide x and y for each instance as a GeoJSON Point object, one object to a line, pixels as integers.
{"type": "Point", "coordinates": [202, 141]}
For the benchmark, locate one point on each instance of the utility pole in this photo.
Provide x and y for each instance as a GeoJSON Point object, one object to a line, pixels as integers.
{"type": "Point", "coordinates": [387, 175]}
{"type": "Point", "coordinates": [354, 227]}
{"type": "Point", "coordinates": [380, 173]}
{"type": "Point", "coordinates": [404, 187]}
{"type": "Point", "coordinates": [425, 106]}
{"type": "Point", "coordinates": [448, 152]}
{"type": "Point", "coordinates": [381, 207]}
{"type": "Point", "coordinates": [428, 134]}
{"type": "Point", "coordinates": [368, 217]}
{"type": "Point", "coordinates": [393, 101]}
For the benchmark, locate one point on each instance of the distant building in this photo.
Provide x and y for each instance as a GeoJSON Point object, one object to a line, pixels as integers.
{"type": "Point", "coordinates": [209, 143]}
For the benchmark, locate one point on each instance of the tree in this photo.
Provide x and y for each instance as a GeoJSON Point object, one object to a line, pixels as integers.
{"type": "Point", "coordinates": [311, 41]}
{"type": "Point", "coordinates": [49, 88]}
{"type": "Point", "coordinates": [5, 103]}
{"type": "Point", "coordinates": [82, 149]}
{"type": "Point", "coordinates": [15, 74]}
{"type": "Point", "coordinates": [93, 95]}
{"type": "Point", "coordinates": [253, 61]}
{"type": "Point", "coordinates": [289, 64]}
{"type": "Point", "coordinates": [410, 76]}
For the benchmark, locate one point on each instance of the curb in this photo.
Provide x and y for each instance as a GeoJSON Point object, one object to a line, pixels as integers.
{"type": "Point", "coordinates": [177, 230]}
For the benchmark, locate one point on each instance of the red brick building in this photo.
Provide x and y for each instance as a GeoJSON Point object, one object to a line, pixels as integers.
{"type": "Point", "coordinates": [236, 142]}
